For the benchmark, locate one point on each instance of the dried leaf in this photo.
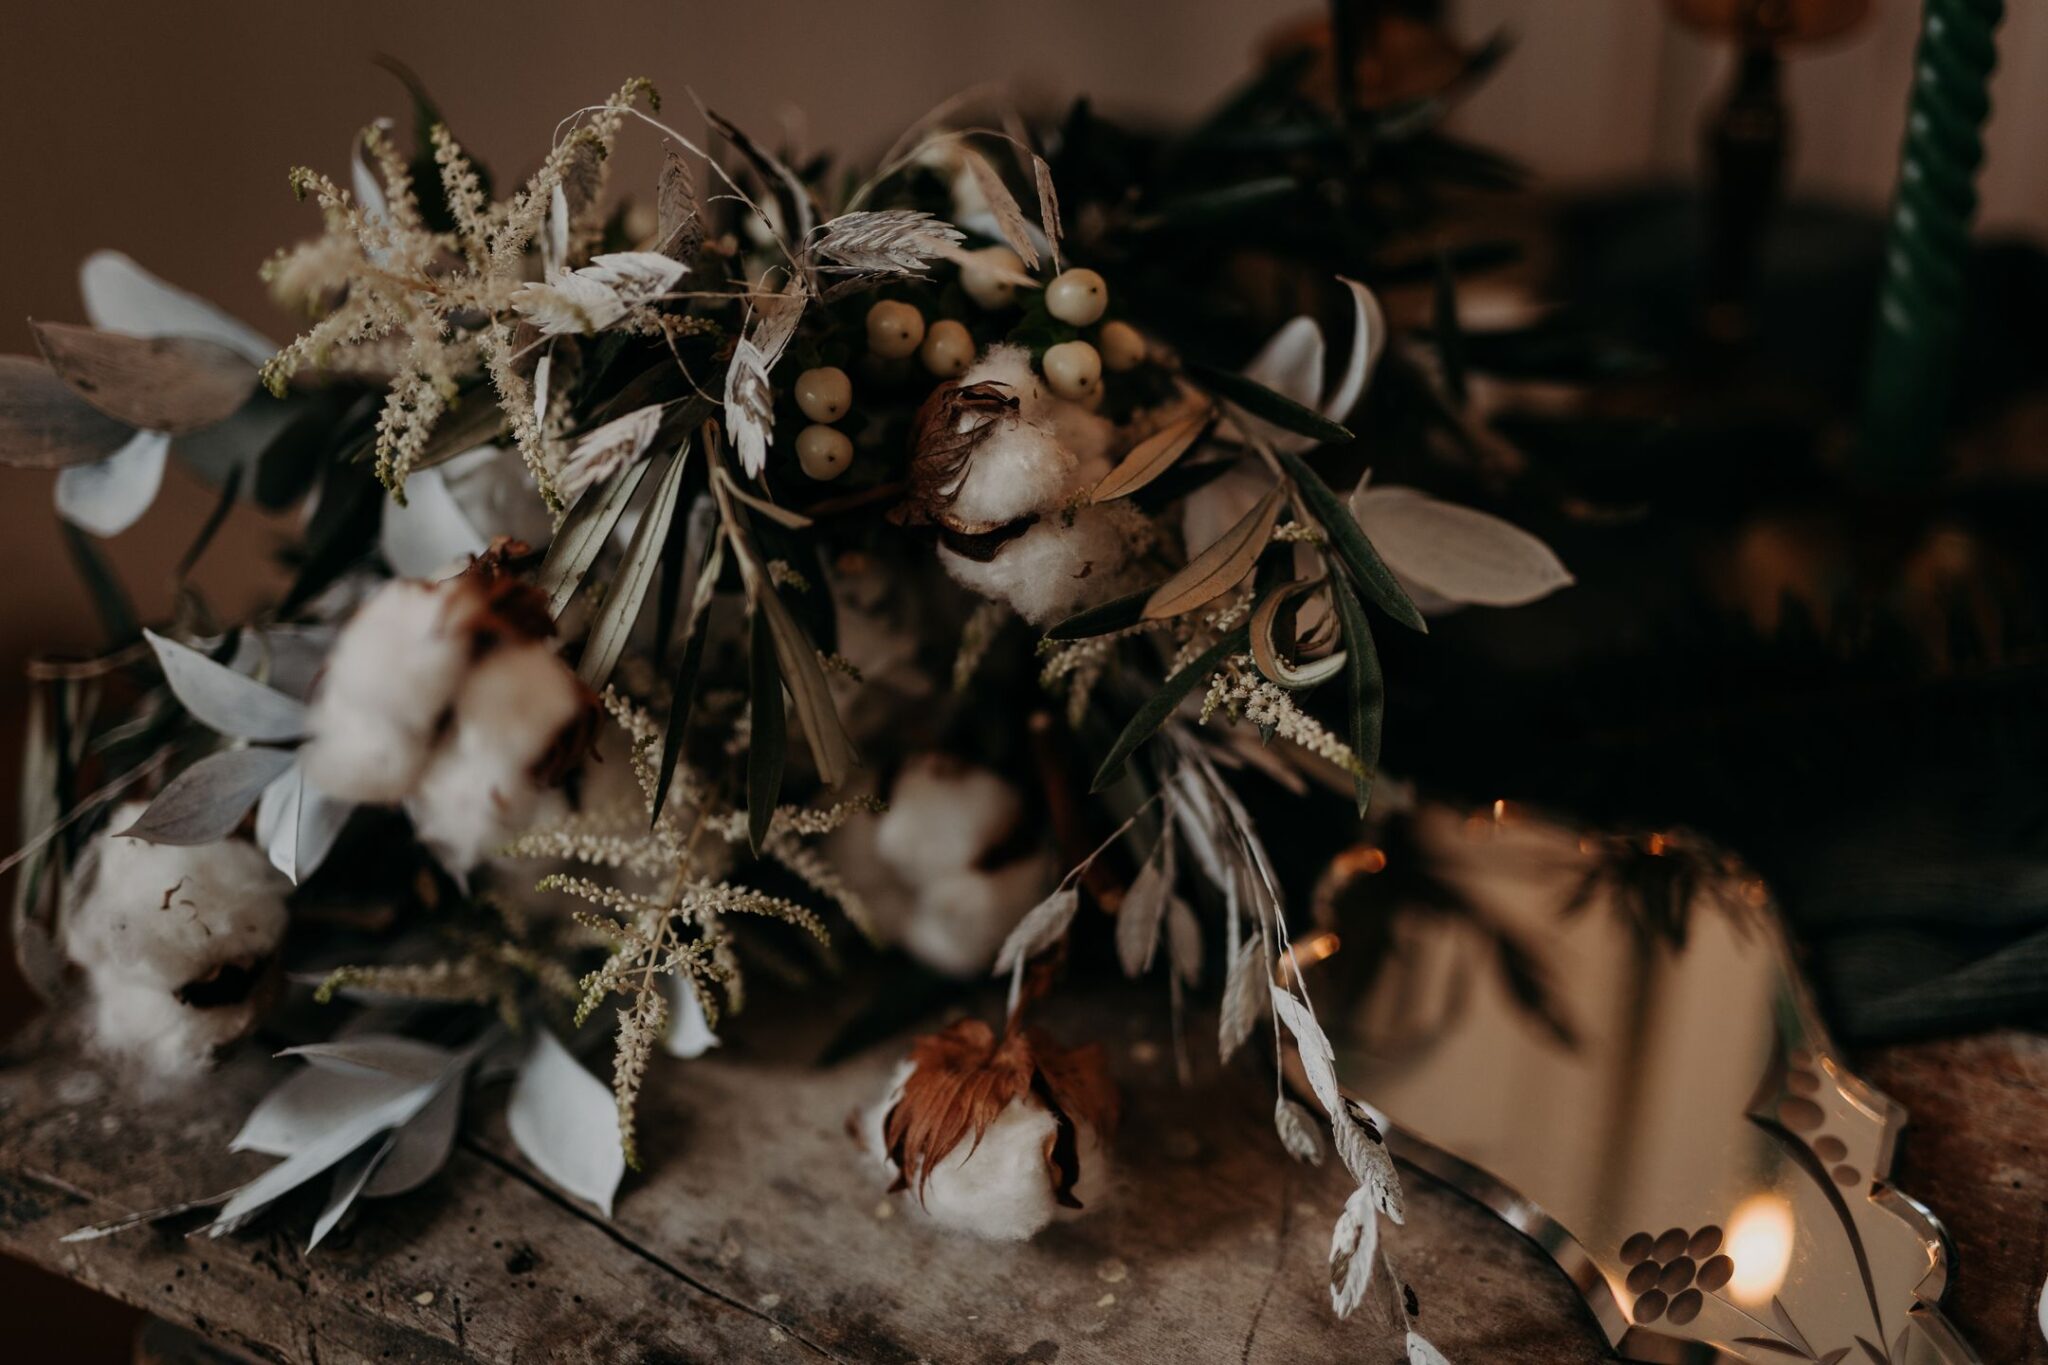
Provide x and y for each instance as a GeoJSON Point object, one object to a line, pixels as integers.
{"type": "Point", "coordinates": [350, 1176]}
{"type": "Point", "coordinates": [1117, 614]}
{"type": "Point", "coordinates": [684, 687]}
{"type": "Point", "coordinates": [1368, 341]}
{"type": "Point", "coordinates": [612, 627]}
{"type": "Point", "coordinates": [44, 425]}
{"type": "Point", "coordinates": [1318, 1059]}
{"type": "Point", "coordinates": [1420, 1352]}
{"type": "Point", "coordinates": [333, 1143]}
{"type": "Point", "coordinates": [110, 496]}
{"type": "Point", "coordinates": [1458, 554]}
{"type": "Point", "coordinates": [120, 296]}
{"type": "Point", "coordinates": [832, 752]}
{"type": "Point", "coordinates": [171, 384]}
{"type": "Point", "coordinates": [1354, 1247]}
{"type": "Point", "coordinates": [678, 233]}
{"type": "Point", "coordinates": [1048, 206]}
{"type": "Point", "coordinates": [206, 801]}
{"type": "Point", "coordinates": [886, 241]}
{"type": "Point", "coordinates": [583, 536]}
{"type": "Point", "coordinates": [420, 1147]}
{"type": "Point", "coordinates": [1039, 929]}
{"type": "Point", "coordinates": [609, 448]}
{"type": "Point", "coordinates": [1365, 689]}
{"type": "Point", "coordinates": [775, 512]}
{"type": "Point", "coordinates": [569, 303]}
{"type": "Point", "coordinates": [564, 1121]}
{"type": "Point", "coordinates": [1277, 667]}
{"type": "Point", "coordinates": [1366, 1157]}
{"type": "Point", "coordinates": [1151, 457]}
{"type": "Point", "coordinates": [227, 701]}
{"type": "Point", "coordinates": [635, 276]}
{"type": "Point", "coordinates": [1297, 1129]}
{"type": "Point", "coordinates": [1184, 941]}
{"type": "Point", "coordinates": [768, 748]}
{"type": "Point", "coordinates": [1002, 204]}
{"type": "Point", "coordinates": [1222, 566]}
{"type": "Point", "coordinates": [1143, 911]}
{"type": "Point", "coordinates": [1245, 996]}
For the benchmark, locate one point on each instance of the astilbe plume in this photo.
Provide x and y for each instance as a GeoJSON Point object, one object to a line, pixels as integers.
{"type": "Point", "coordinates": [676, 930]}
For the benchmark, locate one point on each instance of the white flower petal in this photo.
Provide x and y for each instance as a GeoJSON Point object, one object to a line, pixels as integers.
{"type": "Point", "coordinates": [120, 296]}
{"type": "Point", "coordinates": [108, 496]}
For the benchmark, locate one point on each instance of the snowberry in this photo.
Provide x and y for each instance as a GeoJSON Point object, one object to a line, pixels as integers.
{"type": "Point", "coordinates": [1121, 346]}
{"type": "Point", "coordinates": [824, 452]}
{"type": "Point", "coordinates": [1077, 296]}
{"type": "Point", "coordinates": [988, 276]}
{"type": "Point", "coordinates": [948, 349]}
{"type": "Point", "coordinates": [894, 329]}
{"type": "Point", "coordinates": [824, 394]}
{"type": "Point", "coordinates": [1073, 369]}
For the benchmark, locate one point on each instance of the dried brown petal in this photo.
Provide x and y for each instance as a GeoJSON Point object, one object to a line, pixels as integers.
{"type": "Point", "coordinates": [950, 426]}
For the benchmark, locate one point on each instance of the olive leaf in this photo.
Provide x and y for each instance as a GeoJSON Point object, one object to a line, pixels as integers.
{"type": "Point", "coordinates": [1151, 457]}
{"type": "Point", "coordinates": [1266, 653]}
{"type": "Point", "coordinates": [1115, 614]}
{"type": "Point", "coordinates": [831, 751]}
{"type": "Point", "coordinates": [583, 535]}
{"type": "Point", "coordinates": [206, 801]}
{"type": "Point", "coordinates": [768, 749]}
{"type": "Point", "coordinates": [1222, 566]}
{"type": "Point", "coordinates": [170, 384]}
{"type": "Point", "coordinates": [1348, 539]}
{"type": "Point", "coordinates": [44, 425]}
{"type": "Point", "coordinates": [1161, 703]}
{"type": "Point", "coordinates": [613, 625]}
{"type": "Point", "coordinates": [1262, 402]}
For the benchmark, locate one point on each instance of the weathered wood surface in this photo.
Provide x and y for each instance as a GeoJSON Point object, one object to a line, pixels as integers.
{"type": "Point", "coordinates": [760, 1233]}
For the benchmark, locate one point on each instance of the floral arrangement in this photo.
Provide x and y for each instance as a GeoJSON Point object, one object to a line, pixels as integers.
{"type": "Point", "coordinates": [739, 562]}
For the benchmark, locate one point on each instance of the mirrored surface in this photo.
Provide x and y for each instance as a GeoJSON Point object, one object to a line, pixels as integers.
{"type": "Point", "coordinates": [1604, 1038]}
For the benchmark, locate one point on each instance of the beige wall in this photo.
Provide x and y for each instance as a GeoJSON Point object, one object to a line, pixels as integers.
{"type": "Point", "coordinates": [166, 130]}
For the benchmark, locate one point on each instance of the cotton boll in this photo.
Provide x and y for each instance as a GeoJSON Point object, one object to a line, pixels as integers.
{"type": "Point", "coordinates": [959, 920]}
{"type": "Point", "coordinates": [996, 1187]}
{"type": "Point", "coordinates": [1059, 567]}
{"type": "Point", "coordinates": [1086, 436]}
{"type": "Point", "coordinates": [392, 673]}
{"type": "Point", "coordinates": [175, 943]}
{"type": "Point", "coordinates": [943, 815]}
{"type": "Point", "coordinates": [481, 788]}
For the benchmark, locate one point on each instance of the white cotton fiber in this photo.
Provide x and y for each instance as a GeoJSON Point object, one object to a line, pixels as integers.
{"type": "Point", "coordinates": [1001, 1187]}
{"type": "Point", "coordinates": [1055, 568]}
{"type": "Point", "coordinates": [1030, 461]}
{"type": "Point", "coordinates": [155, 919]}
{"type": "Point", "coordinates": [479, 788]}
{"type": "Point", "coordinates": [389, 680]}
{"type": "Point", "coordinates": [960, 919]}
{"type": "Point", "coordinates": [943, 815]}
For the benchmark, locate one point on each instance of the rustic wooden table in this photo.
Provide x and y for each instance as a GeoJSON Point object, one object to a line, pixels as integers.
{"type": "Point", "coordinates": [759, 1233]}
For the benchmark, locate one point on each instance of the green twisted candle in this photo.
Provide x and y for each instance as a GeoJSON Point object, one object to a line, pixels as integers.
{"type": "Point", "coordinates": [1920, 305]}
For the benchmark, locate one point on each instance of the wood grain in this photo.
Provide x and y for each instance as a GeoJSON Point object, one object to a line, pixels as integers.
{"type": "Point", "coordinates": [759, 1231]}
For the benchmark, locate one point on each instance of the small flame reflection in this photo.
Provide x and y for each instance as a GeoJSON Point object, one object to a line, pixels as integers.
{"type": "Point", "coordinates": [1760, 1244]}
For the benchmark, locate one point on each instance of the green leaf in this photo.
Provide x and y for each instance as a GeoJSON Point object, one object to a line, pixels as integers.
{"type": "Point", "coordinates": [343, 532]}
{"type": "Point", "coordinates": [1348, 539]}
{"type": "Point", "coordinates": [1115, 614]}
{"type": "Point", "coordinates": [1365, 685]}
{"type": "Point", "coordinates": [613, 625]}
{"type": "Point", "coordinates": [584, 533]}
{"type": "Point", "coordinates": [1161, 704]}
{"type": "Point", "coordinates": [769, 747]}
{"type": "Point", "coordinates": [1261, 402]}
{"type": "Point", "coordinates": [684, 688]}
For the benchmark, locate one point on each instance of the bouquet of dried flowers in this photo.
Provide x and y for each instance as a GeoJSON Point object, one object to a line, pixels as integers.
{"type": "Point", "coordinates": [751, 559]}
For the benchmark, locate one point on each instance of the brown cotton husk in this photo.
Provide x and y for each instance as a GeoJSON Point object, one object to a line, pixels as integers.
{"type": "Point", "coordinates": [950, 426]}
{"type": "Point", "coordinates": [962, 1077]}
